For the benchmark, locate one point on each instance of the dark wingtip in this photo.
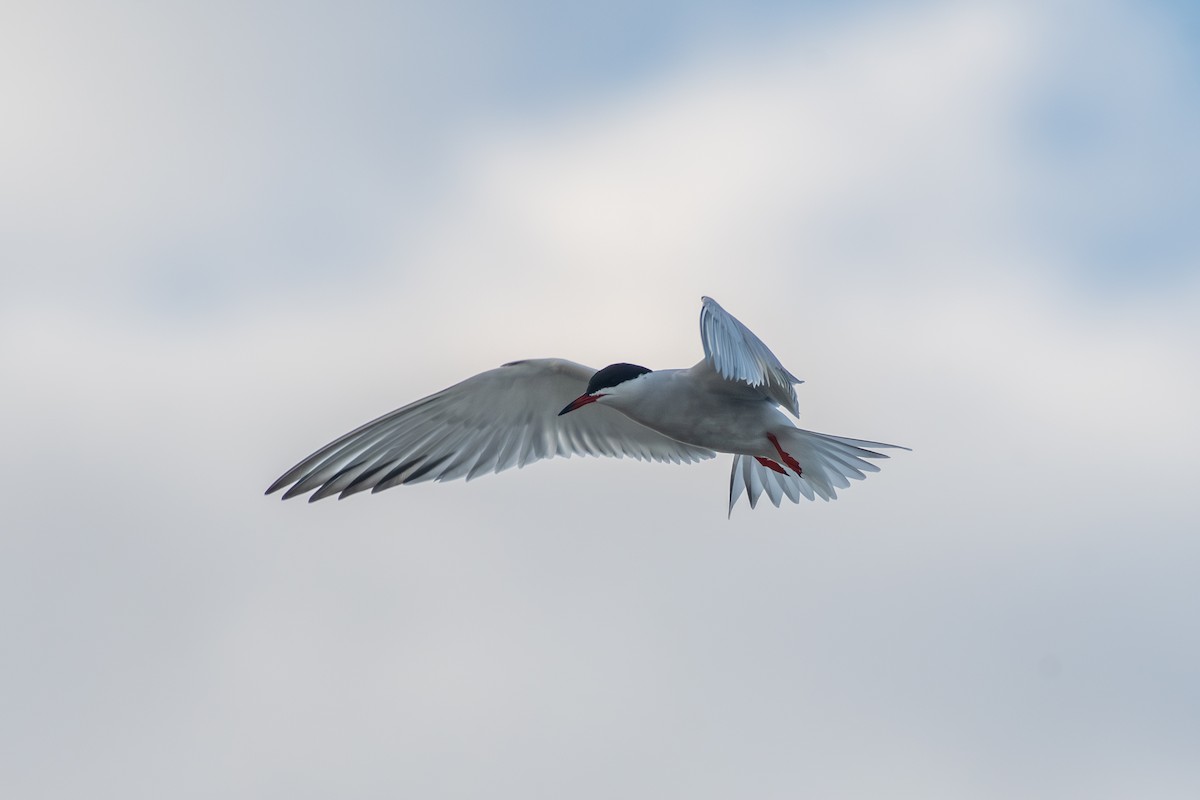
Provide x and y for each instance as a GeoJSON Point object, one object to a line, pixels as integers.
{"type": "Point", "coordinates": [295, 491]}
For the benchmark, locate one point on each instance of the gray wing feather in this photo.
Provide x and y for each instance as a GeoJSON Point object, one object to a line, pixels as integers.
{"type": "Point", "coordinates": [736, 354]}
{"type": "Point", "coordinates": [505, 417]}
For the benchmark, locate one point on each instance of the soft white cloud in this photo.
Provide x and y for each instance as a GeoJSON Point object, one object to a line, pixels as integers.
{"type": "Point", "coordinates": [999, 613]}
{"type": "Point", "coordinates": [152, 155]}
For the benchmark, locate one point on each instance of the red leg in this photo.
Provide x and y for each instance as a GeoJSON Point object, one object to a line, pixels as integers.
{"type": "Point", "coordinates": [787, 458]}
{"type": "Point", "coordinates": [769, 464]}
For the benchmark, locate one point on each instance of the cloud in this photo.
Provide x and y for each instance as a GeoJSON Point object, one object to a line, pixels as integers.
{"type": "Point", "coordinates": [996, 613]}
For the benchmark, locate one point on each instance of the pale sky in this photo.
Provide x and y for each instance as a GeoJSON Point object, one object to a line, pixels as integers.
{"type": "Point", "coordinates": [231, 232]}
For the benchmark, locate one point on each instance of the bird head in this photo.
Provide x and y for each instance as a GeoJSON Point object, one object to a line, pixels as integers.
{"type": "Point", "coordinates": [608, 378]}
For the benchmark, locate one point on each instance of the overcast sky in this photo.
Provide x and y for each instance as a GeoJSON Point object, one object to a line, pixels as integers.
{"type": "Point", "coordinates": [230, 232]}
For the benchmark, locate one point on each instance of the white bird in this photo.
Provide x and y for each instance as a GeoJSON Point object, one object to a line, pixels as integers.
{"type": "Point", "coordinates": [729, 402]}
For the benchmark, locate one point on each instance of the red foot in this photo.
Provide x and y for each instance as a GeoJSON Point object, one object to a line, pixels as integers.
{"type": "Point", "coordinates": [769, 464]}
{"type": "Point", "coordinates": [787, 458]}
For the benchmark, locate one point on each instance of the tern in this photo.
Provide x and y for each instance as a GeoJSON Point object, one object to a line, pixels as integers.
{"type": "Point", "coordinates": [525, 411]}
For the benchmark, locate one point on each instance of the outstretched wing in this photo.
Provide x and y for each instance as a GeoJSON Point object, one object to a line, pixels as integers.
{"type": "Point", "coordinates": [737, 354]}
{"type": "Point", "coordinates": [498, 419]}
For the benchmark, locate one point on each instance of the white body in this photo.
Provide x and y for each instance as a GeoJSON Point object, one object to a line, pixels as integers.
{"type": "Point", "coordinates": [699, 407]}
{"type": "Point", "coordinates": [730, 403]}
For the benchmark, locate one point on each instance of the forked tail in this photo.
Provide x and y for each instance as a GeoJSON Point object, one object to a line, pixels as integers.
{"type": "Point", "coordinates": [817, 465]}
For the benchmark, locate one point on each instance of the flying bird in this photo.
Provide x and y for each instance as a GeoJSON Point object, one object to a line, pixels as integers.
{"type": "Point", "coordinates": [730, 402]}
